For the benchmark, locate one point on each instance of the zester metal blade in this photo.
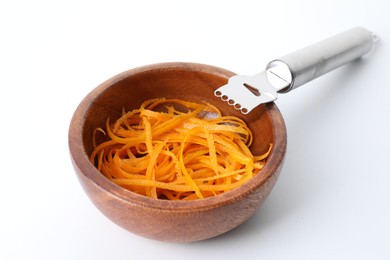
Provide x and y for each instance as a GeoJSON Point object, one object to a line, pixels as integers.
{"type": "Point", "coordinates": [247, 92]}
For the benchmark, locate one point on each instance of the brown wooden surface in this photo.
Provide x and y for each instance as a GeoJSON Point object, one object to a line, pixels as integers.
{"type": "Point", "coordinates": [172, 220]}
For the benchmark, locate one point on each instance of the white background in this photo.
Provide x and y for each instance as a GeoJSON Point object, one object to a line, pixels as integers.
{"type": "Point", "coordinates": [332, 200]}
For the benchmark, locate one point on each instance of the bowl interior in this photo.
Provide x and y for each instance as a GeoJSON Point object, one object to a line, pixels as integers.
{"type": "Point", "coordinates": [191, 82]}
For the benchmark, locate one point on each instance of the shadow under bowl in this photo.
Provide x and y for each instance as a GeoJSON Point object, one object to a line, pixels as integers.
{"type": "Point", "coordinates": [175, 221]}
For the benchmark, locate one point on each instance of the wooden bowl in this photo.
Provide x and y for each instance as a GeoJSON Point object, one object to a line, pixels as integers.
{"type": "Point", "coordinates": [178, 221]}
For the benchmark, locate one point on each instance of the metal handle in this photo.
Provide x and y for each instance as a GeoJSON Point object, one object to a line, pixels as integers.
{"type": "Point", "coordinates": [302, 66]}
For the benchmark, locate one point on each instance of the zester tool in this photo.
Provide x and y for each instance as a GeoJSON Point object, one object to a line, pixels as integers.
{"type": "Point", "coordinates": [293, 70]}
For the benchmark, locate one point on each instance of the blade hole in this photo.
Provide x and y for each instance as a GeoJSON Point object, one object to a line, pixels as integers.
{"type": "Point", "coordinates": [225, 98]}
{"type": "Point", "coordinates": [252, 89]}
{"type": "Point", "coordinates": [218, 93]}
{"type": "Point", "coordinates": [231, 102]}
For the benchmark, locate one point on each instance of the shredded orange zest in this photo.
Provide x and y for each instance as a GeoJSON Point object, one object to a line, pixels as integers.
{"type": "Point", "coordinates": [179, 154]}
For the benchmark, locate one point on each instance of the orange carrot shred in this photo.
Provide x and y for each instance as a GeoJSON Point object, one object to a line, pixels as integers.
{"type": "Point", "coordinates": [177, 150]}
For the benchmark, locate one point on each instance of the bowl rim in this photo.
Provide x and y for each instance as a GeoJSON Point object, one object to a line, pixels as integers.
{"type": "Point", "coordinates": [84, 167]}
